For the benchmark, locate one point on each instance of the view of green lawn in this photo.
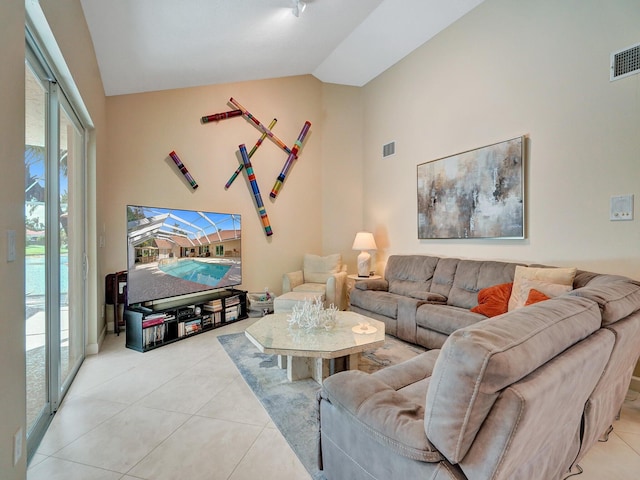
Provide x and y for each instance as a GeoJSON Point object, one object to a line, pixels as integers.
{"type": "Point", "coordinates": [34, 250]}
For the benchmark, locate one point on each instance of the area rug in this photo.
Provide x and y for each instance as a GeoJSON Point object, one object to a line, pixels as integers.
{"type": "Point", "coordinates": [293, 406]}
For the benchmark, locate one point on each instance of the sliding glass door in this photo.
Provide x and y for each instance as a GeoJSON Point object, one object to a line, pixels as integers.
{"type": "Point", "coordinates": [55, 244]}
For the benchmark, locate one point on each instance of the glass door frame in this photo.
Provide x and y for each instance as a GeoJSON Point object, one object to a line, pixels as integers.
{"type": "Point", "coordinates": [55, 102]}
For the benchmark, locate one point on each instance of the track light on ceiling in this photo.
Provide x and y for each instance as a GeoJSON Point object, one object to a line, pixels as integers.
{"type": "Point", "coordinates": [298, 7]}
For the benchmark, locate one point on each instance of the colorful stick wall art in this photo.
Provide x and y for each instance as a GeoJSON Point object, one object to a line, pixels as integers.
{"type": "Point", "coordinates": [292, 155]}
{"type": "Point", "coordinates": [259, 124]}
{"type": "Point", "coordinates": [221, 116]}
{"type": "Point", "coordinates": [183, 169]}
{"type": "Point", "coordinates": [256, 191]}
{"type": "Point", "coordinates": [251, 152]}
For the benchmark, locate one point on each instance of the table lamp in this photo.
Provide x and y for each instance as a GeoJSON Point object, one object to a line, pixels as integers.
{"type": "Point", "coordinates": [364, 241]}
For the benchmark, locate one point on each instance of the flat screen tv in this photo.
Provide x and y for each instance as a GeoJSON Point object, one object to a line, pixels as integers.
{"type": "Point", "coordinates": [173, 253]}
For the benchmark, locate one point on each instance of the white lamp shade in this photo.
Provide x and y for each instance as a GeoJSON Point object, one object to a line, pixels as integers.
{"type": "Point", "coordinates": [364, 241]}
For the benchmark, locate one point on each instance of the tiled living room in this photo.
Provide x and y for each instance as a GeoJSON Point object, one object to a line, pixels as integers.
{"type": "Point", "coordinates": [184, 411]}
{"type": "Point", "coordinates": [498, 70]}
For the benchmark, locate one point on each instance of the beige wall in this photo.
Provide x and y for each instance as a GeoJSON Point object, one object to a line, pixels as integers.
{"type": "Point", "coordinates": [539, 69]}
{"type": "Point", "coordinates": [342, 169]}
{"type": "Point", "coordinates": [12, 360]}
{"type": "Point", "coordinates": [144, 128]}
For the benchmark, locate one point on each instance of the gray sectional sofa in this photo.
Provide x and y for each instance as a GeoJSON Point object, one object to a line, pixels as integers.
{"type": "Point", "coordinates": [522, 395]}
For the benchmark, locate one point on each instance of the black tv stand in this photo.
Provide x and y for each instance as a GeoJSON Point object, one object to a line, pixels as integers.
{"type": "Point", "coordinates": [147, 329]}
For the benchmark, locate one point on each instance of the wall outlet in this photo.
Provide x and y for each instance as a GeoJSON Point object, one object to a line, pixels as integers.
{"type": "Point", "coordinates": [17, 446]}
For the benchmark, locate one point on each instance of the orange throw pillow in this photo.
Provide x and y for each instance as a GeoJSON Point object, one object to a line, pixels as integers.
{"type": "Point", "coordinates": [535, 296]}
{"type": "Point", "coordinates": [494, 300]}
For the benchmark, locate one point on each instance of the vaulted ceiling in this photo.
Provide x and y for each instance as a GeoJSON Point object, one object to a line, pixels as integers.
{"type": "Point", "coordinates": [148, 45]}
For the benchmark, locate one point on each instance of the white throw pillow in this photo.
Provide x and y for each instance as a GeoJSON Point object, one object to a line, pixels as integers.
{"type": "Point", "coordinates": [549, 289]}
{"type": "Point", "coordinates": [318, 269]}
{"type": "Point", "coordinates": [558, 276]}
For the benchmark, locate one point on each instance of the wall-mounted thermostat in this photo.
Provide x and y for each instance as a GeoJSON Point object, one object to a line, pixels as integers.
{"type": "Point", "coordinates": [621, 208]}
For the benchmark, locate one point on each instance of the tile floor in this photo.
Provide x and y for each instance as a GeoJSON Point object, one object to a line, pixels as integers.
{"type": "Point", "coordinates": [184, 412]}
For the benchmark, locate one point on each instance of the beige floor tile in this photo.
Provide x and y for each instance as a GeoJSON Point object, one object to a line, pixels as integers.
{"type": "Point", "coordinates": [186, 393]}
{"type": "Point", "coordinates": [270, 458]}
{"type": "Point", "coordinates": [76, 416]}
{"type": "Point", "coordinates": [122, 441]}
{"type": "Point", "coordinates": [236, 403]}
{"type": "Point", "coordinates": [629, 417]}
{"type": "Point", "coordinates": [611, 460]}
{"type": "Point", "coordinates": [134, 384]}
{"type": "Point", "coordinates": [631, 439]}
{"type": "Point", "coordinates": [36, 459]}
{"type": "Point", "coordinates": [201, 449]}
{"type": "Point", "coordinates": [58, 469]}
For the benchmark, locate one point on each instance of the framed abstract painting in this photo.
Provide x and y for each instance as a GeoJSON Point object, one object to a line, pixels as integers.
{"type": "Point", "coordinates": [474, 194]}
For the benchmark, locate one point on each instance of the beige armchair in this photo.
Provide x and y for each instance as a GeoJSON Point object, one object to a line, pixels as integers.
{"type": "Point", "coordinates": [325, 275]}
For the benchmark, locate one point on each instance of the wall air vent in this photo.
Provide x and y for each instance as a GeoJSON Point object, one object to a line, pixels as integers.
{"type": "Point", "coordinates": [388, 149]}
{"type": "Point", "coordinates": [625, 62]}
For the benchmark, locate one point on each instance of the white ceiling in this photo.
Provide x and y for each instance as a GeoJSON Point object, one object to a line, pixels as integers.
{"type": "Point", "coordinates": [148, 45]}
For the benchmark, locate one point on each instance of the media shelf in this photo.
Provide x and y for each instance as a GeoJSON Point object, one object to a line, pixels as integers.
{"type": "Point", "coordinates": [147, 329]}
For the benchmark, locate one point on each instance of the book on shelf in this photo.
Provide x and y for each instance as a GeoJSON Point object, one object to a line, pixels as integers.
{"type": "Point", "coordinates": [213, 305]}
{"type": "Point", "coordinates": [232, 313]}
{"type": "Point", "coordinates": [154, 335]}
{"type": "Point", "coordinates": [235, 300]}
{"type": "Point", "coordinates": [192, 326]}
{"type": "Point", "coordinates": [156, 320]}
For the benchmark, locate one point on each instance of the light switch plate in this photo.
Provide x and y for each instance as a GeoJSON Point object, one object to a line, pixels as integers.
{"type": "Point", "coordinates": [621, 208]}
{"type": "Point", "coordinates": [11, 245]}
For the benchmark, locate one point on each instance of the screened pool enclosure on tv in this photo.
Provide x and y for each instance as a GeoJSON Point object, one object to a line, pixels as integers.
{"type": "Point", "coordinates": [173, 252]}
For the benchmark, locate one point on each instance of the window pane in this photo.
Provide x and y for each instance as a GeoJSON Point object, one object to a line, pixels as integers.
{"type": "Point", "coordinates": [35, 272]}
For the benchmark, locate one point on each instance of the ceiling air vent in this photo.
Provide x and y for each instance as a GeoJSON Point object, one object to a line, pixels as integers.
{"type": "Point", "coordinates": [388, 149]}
{"type": "Point", "coordinates": [625, 62]}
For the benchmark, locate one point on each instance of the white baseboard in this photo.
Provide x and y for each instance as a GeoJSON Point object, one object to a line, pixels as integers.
{"type": "Point", "coordinates": [94, 348]}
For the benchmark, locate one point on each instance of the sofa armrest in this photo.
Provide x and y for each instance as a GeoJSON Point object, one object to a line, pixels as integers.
{"type": "Point", "coordinates": [380, 285]}
{"type": "Point", "coordinates": [335, 290]}
{"type": "Point", "coordinates": [291, 280]}
{"type": "Point", "coordinates": [381, 412]}
{"type": "Point", "coordinates": [407, 327]}
{"type": "Point", "coordinates": [410, 371]}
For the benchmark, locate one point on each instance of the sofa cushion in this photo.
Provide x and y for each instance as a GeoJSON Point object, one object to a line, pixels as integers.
{"type": "Point", "coordinates": [388, 416]}
{"type": "Point", "coordinates": [479, 361]}
{"type": "Point", "coordinates": [410, 273]}
{"type": "Point", "coordinates": [617, 299]}
{"type": "Point", "coordinates": [474, 275]}
{"type": "Point", "coordinates": [443, 276]}
{"type": "Point", "coordinates": [445, 319]}
{"type": "Point", "coordinates": [318, 269]}
{"type": "Point", "coordinates": [429, 297]}
{"type": "Point", "coordinates": [494, 300]}
{"type": "Point", "coordinates": [319, 288]}
{"type": "Point", "coordinates": [381, 285]}
{"type": "Point", "coordinates": [560, 276]}
{"type": "Point", "coordinates": [382, 303]}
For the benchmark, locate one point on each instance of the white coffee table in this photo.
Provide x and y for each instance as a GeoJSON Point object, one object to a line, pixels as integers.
{"type": "Point", "coordinates": [316, 353]}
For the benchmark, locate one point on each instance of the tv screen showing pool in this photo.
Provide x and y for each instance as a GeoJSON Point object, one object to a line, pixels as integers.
{"type": "Point", "coordinates": [173, 252]}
